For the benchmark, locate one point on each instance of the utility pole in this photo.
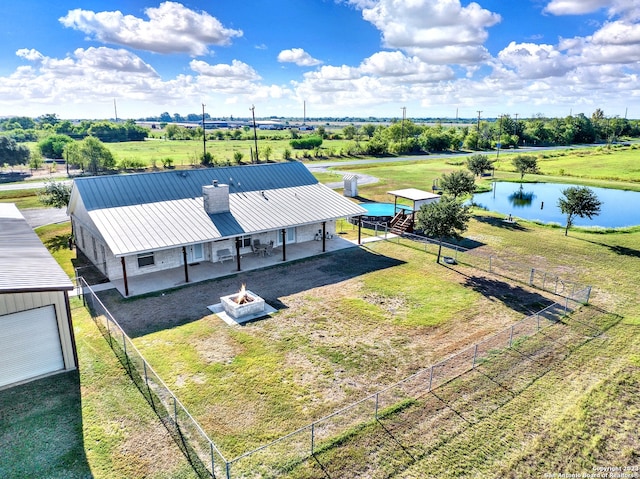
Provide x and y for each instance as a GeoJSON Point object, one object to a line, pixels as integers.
{"type": "Point", "coordinates": [204, 136]}
{"type": "Point", "coordinates": [255, 135]}
{"type": "Point", "coordinates": [304, 112]}
{"type": "Point", "coordinates": [478, 127]}
{"type": "Point", "coordinates": [404, 115]}
{"type": "Point", "coordinates": [515, 129]}
{"type": "Point", "coordinates": [115, 109]}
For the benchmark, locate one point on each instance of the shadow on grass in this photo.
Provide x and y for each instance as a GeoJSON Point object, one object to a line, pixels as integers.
{"type": "Point", "coordinates": [514, 297]}
{"type": "Point", "coordinates": [500, 223]}
{"type": "Point", "coordinates": [56, 243]}
{"type": "Point", "coordinates": [41, 432]}
{"type": "Point", "coordinates": [619, 250]}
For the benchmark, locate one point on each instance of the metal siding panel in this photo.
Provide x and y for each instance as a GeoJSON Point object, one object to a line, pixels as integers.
{"type": "Point", "coordinates": [29, 345]}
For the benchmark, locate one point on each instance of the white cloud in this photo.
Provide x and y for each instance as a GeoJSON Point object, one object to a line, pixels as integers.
{"type": "Point", "coordinates": [236, 71]}
{"type": "Point", "coordinates": [628, 9]}
{"type": "Point", "coordinates": [535, 61]}
{"type": "Point", "coordinates": [576, 7]}
{"type": "Point", "coordinates": [406, 69]}
{"type": "Point", "coordinates": [299, 57]}
{"type": "Point", "coordinates": [171, 28]}
{"type": "Point", "coordinates": [442, 32]}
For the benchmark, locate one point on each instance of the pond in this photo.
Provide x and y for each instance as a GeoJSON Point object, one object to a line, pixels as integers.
{"type": "Point", "coordinates": [539, 202]}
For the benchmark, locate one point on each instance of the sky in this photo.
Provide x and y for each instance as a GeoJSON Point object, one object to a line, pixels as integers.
{"type": "Point", "coordinates": [326, 58]}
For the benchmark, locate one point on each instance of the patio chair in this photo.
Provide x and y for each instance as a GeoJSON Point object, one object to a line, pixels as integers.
{"type": "Point", "coordinates": [255, 246]}
{"type": "Point", "coordinates": [269, 249]}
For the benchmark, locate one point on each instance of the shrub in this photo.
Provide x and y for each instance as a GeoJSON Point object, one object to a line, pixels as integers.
{"type": "Point", "coordinates": [306, 143]}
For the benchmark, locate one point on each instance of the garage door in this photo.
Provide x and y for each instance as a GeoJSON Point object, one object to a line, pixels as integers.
{"type": "Point", "coordinates": [29, 345]}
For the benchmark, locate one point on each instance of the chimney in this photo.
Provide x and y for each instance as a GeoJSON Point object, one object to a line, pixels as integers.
{"type": "Point", "coordinates": [216, 198]}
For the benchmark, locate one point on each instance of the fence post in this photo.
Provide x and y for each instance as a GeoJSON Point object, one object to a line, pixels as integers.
{"type": "Point", "coordinates": [544, 280]}
{"type": "Point", "coordinates": [377, 394]}
{"type": "Point", "coordinates": [566, 305]}
{"type": "Point", "coordinates": [490, 271]}
{"type": "Point", "coordinates": [430, 378]}
{"type": "Point", "coordinates": [213, 467]}
{"type": "Point", "coordinates": [313, 426]}
{"type": "Point", "coordinates": [175, 410]}
{"type": "Point", "coordinates": [588, 294]}
{"type": "Point", "coordinates": [511, 337]}
{"type": "Point", "coordinates": [533, 272]}
{"type": "Point", "coordinates": [475, 353]}
{"type": "Point", "coordinates": [538, 319]}
{"type": "Point", "coordinates": [555, 291]}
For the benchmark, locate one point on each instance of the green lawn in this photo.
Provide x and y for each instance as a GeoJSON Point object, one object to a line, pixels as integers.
{"type": "Point", "coordinates": [23, 199]}
{"type": "Point", "coordinates": [187, 152]}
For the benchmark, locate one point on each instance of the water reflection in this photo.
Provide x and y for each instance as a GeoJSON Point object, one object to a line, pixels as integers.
{"type": "Point", "coordinates": [521, 198]}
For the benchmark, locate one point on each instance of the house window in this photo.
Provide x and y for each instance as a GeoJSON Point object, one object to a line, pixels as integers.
{"type": "Point", "coordinates": [145, 259]}
{"type": "Point", "coordinates": [245, 241]}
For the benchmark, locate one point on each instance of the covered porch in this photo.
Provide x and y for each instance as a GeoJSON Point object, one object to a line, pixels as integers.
{"type": "Point", "coordinates": [206, 270]}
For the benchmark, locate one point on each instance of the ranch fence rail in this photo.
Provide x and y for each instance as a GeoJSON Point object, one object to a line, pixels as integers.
{"type": "Point", "coordinates": [284, 453]}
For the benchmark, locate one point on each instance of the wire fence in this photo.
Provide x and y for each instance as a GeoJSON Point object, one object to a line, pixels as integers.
{"type": "Point", "coordinates": [282, 455]}
{"type": "Point", "coordinates": [200, 450]}
{"type": "Point", "coordinates": [507, 267]}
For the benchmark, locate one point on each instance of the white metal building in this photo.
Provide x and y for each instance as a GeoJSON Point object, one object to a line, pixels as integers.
{"type": "Point", "coordinates": [36, 332]}
{"type": "Point", "coordinates": [132, 225]}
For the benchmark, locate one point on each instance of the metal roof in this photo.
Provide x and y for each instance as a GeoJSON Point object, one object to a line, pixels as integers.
{"type": "Point", "coordinates": [141, 188]}
{"type": "Point", "coordinates": [414, 194]}
{"type": "Point", "coordinates": [25, 264]}
{"type": "Point", "coordinates": [171, 211]}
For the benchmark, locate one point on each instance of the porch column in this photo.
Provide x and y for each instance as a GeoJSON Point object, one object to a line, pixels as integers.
{"type": "Point", "coordinates": [124, 276]}
{"type": "Point", "coordinates": [359, 229]}
{"type": "Point", "coordinates": [186, 266]}
{"type": "Point", "coordinates": [324, 235]}
{"type": "Point", "coordinates": [284, 244]}
{"type": "Point", "coordinates": [238, 253]}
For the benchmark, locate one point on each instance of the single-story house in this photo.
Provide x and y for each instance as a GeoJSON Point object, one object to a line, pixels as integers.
{"type": "Point", "coordinates": [36, 332]}
{"type": "Point", "coordinates": [130, 225]}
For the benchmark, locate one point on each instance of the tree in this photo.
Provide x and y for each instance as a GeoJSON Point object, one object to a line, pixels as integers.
{"type": "Point", "coordinates": [578, 201]}
{"type": "Point", "coordinates": [525, 164]}
{"type": "Point", "coordinates": [11, 153]}
{"type": "Point", "coordinates": [478, 164]}
{"type": "Point", "coordinates": [458, 183]}
{"type": "Point", "coordinates": [446, 218]}
{"type": "Point", "coordinates": [53, 146]}
{"type": "Point", "coordinates": [349, 132]}
{"type": "Point", "coordinates": [89, 154]}
{"type": "Point", "coordinates": [55, 194]}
